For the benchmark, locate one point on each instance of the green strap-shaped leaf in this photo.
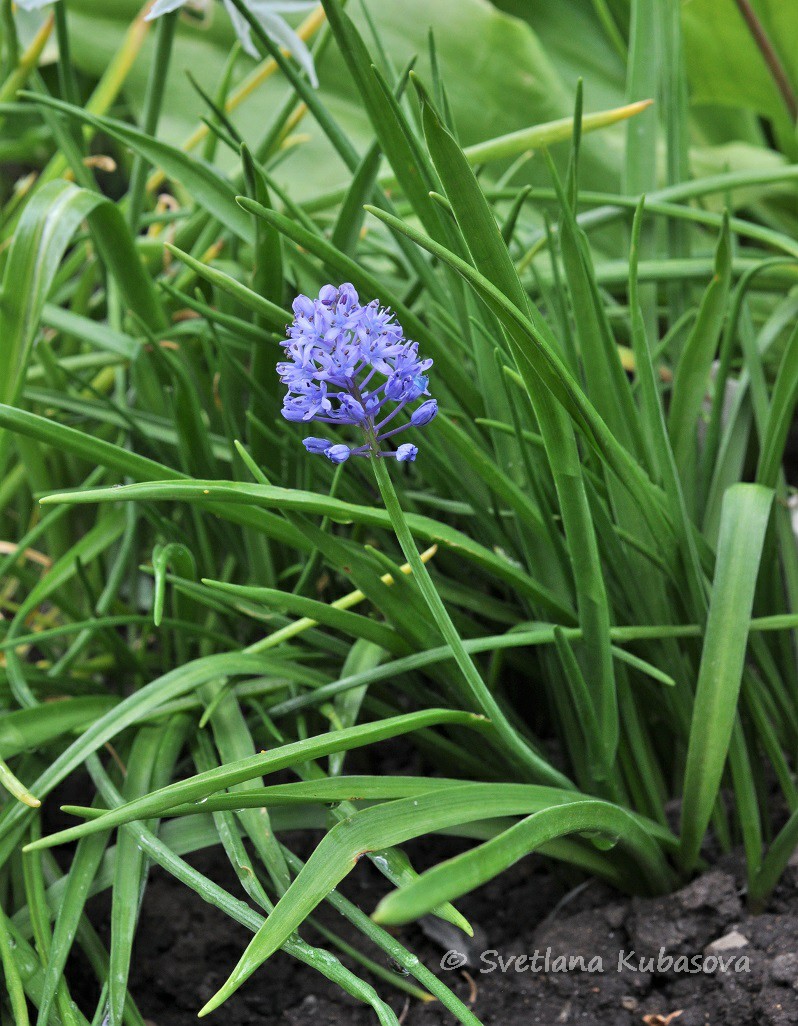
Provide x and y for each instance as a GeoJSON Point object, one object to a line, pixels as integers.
{"type": "Point", "coordinates": [72, 900]}
{"type": "Point", "coordinates": [209, 188]}
{"type": "Point", "coordinates": [780, 415]}
{"type": "Point", "coordinates": [744, 519]}
{"type": "Point", "coordinates": [465, 872]}
{"type": "Point", "coordinates": [533, 351]}
{"type": "Point", "coordinates": [177, 682]}
{"type": "Point", "coordinates": [269, 312]}
{"type": "Point", "coordinates": [339, 851]}
{"type": "Point", "coordinates": [268, 496]}
{"type": "Point", "coordinates": [692, 378]}
{"type": "Point", "coordinates": [349, 222]}
{"type": "Point", "coordinates": [397, 141]}
{"type": "Point", "coordinates": [105, 454]}
{"type": "Point", "coordinates": [129, 868]}
{"type": "Point", "coordinates": [351, 624]}
{"type": "Point", "coordinates": [491, 257]}
{"type": "Point", "coordinates": [104, 533]}
{"type": "Point", "coordinates": [45, 230]}
{"type": "Point", "coordinates": [167, 856]}
{"type": "Point", "coordinates": [204, 784]}
{"type": "Point", "coordinates": [28, 729]}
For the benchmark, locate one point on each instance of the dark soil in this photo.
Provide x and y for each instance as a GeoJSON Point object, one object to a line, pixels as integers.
{"type": "Point", "coordinates": [185, 949]}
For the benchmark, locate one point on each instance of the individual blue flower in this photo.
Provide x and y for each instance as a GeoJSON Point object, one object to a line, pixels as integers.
{"type": "Point", "coordinates": [349, 363]}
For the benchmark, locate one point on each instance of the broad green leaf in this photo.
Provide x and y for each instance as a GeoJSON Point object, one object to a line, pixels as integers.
{"type": "Point", "coordinates": [534, 84]}
{"type": "Point", "coordinates": [719, 42]}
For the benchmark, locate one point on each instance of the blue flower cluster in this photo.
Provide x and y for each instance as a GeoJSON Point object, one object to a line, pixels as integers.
{"type": "Point", "coordinates": [351, 364]}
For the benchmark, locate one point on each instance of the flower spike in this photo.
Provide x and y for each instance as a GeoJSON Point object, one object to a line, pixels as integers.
{"type": "Point", "coordinates": [349, 363]}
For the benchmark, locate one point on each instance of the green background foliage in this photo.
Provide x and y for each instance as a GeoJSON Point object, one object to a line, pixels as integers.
{"type": "Point", "coordinates": [602, 619]}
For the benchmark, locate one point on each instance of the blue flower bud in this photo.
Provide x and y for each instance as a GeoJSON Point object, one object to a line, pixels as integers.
{"type": "Point", "coordinates": [338, 453]}
{"type": "Point", "coordinates": [425, 413]}
{"type": "Point", "coordinates": [406, 453]}
{"type": "Point", "coordinates": [316, 445]}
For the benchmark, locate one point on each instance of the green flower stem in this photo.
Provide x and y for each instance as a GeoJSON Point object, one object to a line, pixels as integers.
{"type": "Point", "coordinates": [480, 696]}
{"type": "Point", "coordinates": [152, 111]}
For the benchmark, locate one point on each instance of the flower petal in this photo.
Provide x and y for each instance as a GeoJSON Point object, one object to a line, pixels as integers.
{"type": "Point", "coordinates": [159, 8]}
{"type": "Point", "coordinates": [281, 32]}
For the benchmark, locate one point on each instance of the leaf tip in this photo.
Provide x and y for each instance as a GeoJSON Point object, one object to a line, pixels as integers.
{"type": "Point", "coordinates": [218, 998]}
{"type": "Point", "coordinates": [378, 916]}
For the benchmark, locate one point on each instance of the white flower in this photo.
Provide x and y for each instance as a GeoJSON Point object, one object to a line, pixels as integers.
{"type": "Point", "coordinates": [266, 11]}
